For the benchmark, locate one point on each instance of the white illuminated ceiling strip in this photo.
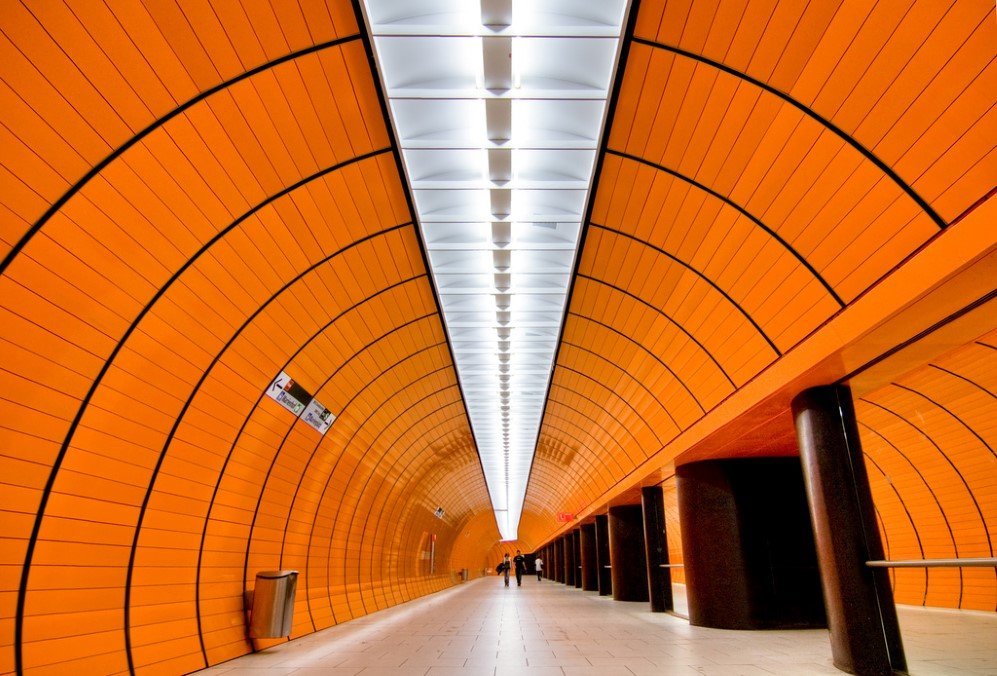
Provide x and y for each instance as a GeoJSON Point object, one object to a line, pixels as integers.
{"type": "Point", "coordinates": [498, 107]}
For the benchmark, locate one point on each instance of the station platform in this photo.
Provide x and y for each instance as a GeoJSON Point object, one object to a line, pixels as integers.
{"type": "Point", "coordinates": [482, 628]}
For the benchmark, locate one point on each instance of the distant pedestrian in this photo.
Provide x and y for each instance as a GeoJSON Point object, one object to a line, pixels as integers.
{"type": "Point", "coordinates": [538, 564]}
{"type": "Point", "coordinates": [520, 562]}
{"type": "Point", "coordinates": [506, 565]}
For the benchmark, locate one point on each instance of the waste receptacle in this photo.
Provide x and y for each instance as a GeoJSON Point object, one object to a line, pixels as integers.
{"type": "Point", "coordinates": [273, 604]}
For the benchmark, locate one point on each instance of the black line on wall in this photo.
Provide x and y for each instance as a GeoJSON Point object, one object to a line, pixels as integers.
{"type": "Point", "coordinates": [698, 273]}
{"type": "Point", "coordinates": [930, 440]}
{"type": "Point", "coordinates": [595, 443]}
{"type": "Point", "coordinates": [953, 415]}
{"type": "Point", "coordinates": [585, 454]}
{"type": "Point", "coordinates": [592, 424]}
{"type": "Point", "coordinates": [964, 379]}
{"type": "Point", "coordinates": [396, 512]}
{"type": "Point", "coordinates": [741, 210]}
{"type": "Point", "coordinates": [809, 112]}
{"type": "Point", "coordinates": [100, 166]}
{"type": "Point", "coordinates": [910, 519]}
{"type": "Point", "coordinates": [359, 427]}
{"type": "Point", "coordinates": [986, 298]}
{"type": "Point", "coordinates": [339, 505]}
{"type": "Point", "coordinates": [190, 399]}
{"type": "Point", "coordinates": [661, 312]}
{"type": "Point", "coordinates": [84, 403]}
{"type": "Point", "coordinates": [656, 358]}
{"type": "Point", "coordinates": [612, 393]}
{"type": "Point", "coordinates": [290, 428]}
{"type": "Point", "coordinates": [412, 458]}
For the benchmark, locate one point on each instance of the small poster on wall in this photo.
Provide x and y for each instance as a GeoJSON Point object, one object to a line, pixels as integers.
{"type": "Point", "coordinates": [288, 393]}
{"type": "Point", "coordinates": [318, 416]}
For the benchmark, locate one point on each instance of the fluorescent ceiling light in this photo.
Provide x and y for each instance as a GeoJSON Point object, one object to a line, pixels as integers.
{"type": "Point", "coordinates": [498, 106]}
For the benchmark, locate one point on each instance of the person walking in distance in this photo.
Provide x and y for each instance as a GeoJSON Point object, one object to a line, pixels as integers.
{"type": "Point", "coordinates": [538, 564]}
{"type": "Point", "coordinates": [520, 562]}
{"type": "Point", "coordinates": [506, 565]}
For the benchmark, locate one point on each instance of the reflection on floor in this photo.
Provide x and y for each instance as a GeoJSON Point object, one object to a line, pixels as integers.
{"type": "Point", "coordinates": [545, 628]}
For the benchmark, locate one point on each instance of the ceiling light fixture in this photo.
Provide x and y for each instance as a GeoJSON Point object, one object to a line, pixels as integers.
{"type": "Point", "coordinates": [499, 113]}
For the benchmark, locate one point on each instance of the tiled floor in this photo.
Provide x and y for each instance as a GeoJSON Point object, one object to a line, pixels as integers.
{"type": "Point", "coordinates": [545, 628]}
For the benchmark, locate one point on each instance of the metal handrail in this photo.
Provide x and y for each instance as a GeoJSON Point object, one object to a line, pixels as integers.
{"type": "Point", "coordinates": [935, 563]}
{"type": "Point", "coordinates": [904, 563]}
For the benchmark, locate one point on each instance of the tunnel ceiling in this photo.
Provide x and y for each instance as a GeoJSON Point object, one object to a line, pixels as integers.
{"type": "Point", "coordinates": [499, 109]}
{"type": "Point", "coordinates": [765, 165]}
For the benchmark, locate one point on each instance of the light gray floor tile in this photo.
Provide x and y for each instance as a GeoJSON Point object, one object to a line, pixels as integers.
{"type": "Point", "coordinates": [481, 629]}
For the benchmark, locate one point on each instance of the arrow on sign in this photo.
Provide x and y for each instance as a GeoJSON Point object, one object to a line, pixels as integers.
{"type": "Point", "coordinates": [278, 384]}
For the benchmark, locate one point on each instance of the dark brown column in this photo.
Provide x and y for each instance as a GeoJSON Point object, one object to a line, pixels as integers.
{"type": "Point", "coordinates": [569, 559]}
{"type": "Point", "coordinates": [576, 539]}
{"type": "Point", "coordinates": [659, 578]}
{"type": "Point", "coordinates": [590, 570]}
{"type": "Point", "coordinates": [602, 561]}
{"type": "Point", "coordinates": [865, 637]}
{"type": "Point", "coordinates": [749, 551]}
{"type": "Point", "coordinates": [560, 561]}
{"type": "Point", "coordinates": [626, 549]}
{"type": "Point", "coordinates": [716, 573]}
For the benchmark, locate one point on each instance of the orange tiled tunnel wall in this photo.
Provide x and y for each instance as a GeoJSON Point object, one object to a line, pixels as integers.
{"type": "Point", "coordinates": [194, 201]}
{"type": "Point", "coordinates": [929, 442]}
{"type": "Point", "coordinates": [767, 164]}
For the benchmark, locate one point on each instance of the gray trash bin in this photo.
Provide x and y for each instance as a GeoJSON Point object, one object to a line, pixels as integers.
{"type": "Point", "coordinates": [273, 604]}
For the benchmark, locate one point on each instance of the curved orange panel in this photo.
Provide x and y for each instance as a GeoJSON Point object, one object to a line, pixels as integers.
{"type": "Point", "coordinates": [197, 201]}
{"type": "Point", "coordinates": [765, 165]}
{"type": "Point", "coordinates": [473, 546]}
{"type": "Point", "coordinates": [929, 439]}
